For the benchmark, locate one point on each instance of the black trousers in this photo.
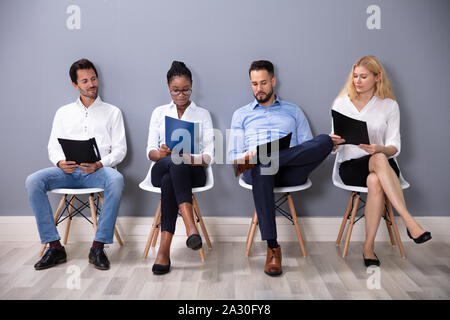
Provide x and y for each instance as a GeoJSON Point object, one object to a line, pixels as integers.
{"type": "Point", "coordinates": [295, 165]}
{"type": "Point", "coordinates": [176, 182]}
{"type": "Point", "coordinates": [354, 172]}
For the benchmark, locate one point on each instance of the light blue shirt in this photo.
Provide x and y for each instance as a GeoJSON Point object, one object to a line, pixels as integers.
{"type": "Point", "coordinates": [254, 124]}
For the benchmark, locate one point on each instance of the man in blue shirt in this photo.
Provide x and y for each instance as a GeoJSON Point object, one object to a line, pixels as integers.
{"type": "Point", "coordinates": [266, 119]}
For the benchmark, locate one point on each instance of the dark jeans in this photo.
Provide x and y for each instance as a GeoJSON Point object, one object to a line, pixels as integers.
{"type": "Point", "coordinates": [296, 164]}
{"type": "Point", "coordinates": [354, 172]}
{"type": "Point", "coordinates": [176, 182]}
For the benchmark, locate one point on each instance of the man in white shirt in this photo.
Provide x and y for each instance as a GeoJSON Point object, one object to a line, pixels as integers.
{"type": "Point", "coordinates": [88, 117]}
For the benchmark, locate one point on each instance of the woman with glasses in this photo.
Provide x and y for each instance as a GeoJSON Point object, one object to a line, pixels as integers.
{"type": "Point", "coordinates": [367, 96]}
{"type": "Point", "coordinates": [175, 178]}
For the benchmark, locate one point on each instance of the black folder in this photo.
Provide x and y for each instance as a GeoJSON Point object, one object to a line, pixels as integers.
{"type": "Point", "coordinates": [352, 130]}
{"type": "Point", "coordinates": [80, 151]}
{"type": "Point", "coordinates": [283, 143]}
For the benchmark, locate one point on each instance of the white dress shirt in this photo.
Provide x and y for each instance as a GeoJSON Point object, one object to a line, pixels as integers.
{"type": "Point", "coordinates": [100, 120]}
{"type": "Point", "coordinates": [383, 124]}
{"type": "Point", "coordinates": [193, 113]}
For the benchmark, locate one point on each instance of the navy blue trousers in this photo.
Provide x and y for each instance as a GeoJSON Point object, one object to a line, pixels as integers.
{"type": "Point", "coordinates": [295, 165]}
{"type": "Point", "coordinates": [176, 182]}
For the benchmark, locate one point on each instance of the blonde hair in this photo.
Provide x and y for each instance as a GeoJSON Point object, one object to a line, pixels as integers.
{"type": "Point", "coordinates": [382, 87]}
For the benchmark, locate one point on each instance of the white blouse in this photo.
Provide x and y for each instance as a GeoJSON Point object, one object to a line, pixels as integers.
{"type": "Point", "coordinates": [383, 124]}
{"type": "Point", "coordinates": [193, 113]}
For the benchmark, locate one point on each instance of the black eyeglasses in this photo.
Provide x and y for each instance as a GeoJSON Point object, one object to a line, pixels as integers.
{"type": "Point", "coordinates": [178, 92]}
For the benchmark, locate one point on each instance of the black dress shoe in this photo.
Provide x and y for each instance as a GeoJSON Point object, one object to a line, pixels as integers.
{"type": "Point", "coordinates": [371, 262]}
{"type": "Point", "coordinates": [424, 237]}
{"type": "Point", "coordinates": [194, 242]}
{"type": "Point", "coordinates": [161, 268]}
{"type": "Point", "coordinates": [98, 257]}
{"type": "Point", "coordinates": [51, 257]}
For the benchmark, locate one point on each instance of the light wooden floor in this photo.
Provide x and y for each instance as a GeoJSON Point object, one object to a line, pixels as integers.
{"type": "Point", "coordinates": [228, 274]}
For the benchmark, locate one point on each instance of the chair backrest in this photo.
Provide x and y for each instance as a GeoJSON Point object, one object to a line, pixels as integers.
{"type": "Point", "coordinates": [300, 187]}
{"type": "Point", "coordinates": [147, 185]}
{"type": "Point", "coordinates": [337, 181]}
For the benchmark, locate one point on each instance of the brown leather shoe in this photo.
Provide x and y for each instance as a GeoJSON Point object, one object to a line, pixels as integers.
{"type": "Point", "coordinates": [273, 262]}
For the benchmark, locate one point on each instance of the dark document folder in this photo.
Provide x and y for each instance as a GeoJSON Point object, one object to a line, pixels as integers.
{"type": "Point", "coordinates": [190, 132]}
{"type": "Point", "coordinates": [264, 151]}
{"type": "Point", "coordinates": [80, 151]}
{"type": "Point", "coordinates": [352, 130]}
{"type": "Point", "coordinates": [266, 148]}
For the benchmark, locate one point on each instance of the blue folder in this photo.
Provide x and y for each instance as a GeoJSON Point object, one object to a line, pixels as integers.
{"type": "Point", "coordinates": [182, 134]}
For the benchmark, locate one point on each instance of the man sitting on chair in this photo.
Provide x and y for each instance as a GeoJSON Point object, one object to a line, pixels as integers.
{"type": "Point", "coordinates": [86, 118]}
{"type": "Point", "coordinates": [266, 119]}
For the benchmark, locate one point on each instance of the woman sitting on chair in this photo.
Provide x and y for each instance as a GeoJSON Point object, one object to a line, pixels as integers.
{"type": "Point", "coordinates": [368, 96]}
{"type": "Point", "coordinates": [177, 178]}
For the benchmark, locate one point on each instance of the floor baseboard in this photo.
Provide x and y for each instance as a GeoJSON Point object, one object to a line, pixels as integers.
{"type": "Point", "coordinates": [23, 228]}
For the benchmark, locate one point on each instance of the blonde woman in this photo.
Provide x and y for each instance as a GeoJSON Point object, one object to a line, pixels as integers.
{"type": "Point", "coordinates": [368, 96]}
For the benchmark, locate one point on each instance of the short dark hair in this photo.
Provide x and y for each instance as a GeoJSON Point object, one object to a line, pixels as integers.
{"type": "Point", "coordinates": [80, 64]}
{"type": "Point", "coordinates": [178, 69]}
{"type": "Point", "coordinates": [262, 65]}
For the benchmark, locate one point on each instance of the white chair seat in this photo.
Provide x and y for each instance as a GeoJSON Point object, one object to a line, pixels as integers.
{"type": "Point", "coordinates": [148, 186]}
{"type": "Point", "coordinates": [304, 186]}
{"type": "Point", "coordinates": [77, 191]}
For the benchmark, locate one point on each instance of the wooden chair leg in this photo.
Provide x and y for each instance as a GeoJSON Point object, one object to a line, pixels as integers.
{"type": "Point", "coordinates": [202, 251]}
{"type": "Point", "coordinates": [344, 220]}
{"type": "Point", "coordinates": [202, 223]}
{"type": "Point", "coordinates": [297, 227]}
{"type": "Point", "coordinates": [156, 221]}
{"type": "Point", "coordinates": [93, 212]}
{"type": "Point", "coordinates": [69, 219]}
{"type": "Point", "coordinates": [251, 233]}
{"type": "Point", "coordinates": [350, 226]}
{"type": "Point", "coordinates": [116, 231]}
{"type": "Point", "coordinates": [119, 239]}
{"type": "Point", "coordinates": [155, 237]}
{"type": "Point", "coordinates": [394, 225]}
{"type": "Point", "coordinates": [57, 214]}
{"type": "Point", "coordinates": [41, 253]}
{"type": "Point", "coordinates": [388, 226]}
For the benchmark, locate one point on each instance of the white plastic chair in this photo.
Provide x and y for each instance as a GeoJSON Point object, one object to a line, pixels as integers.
{"type": "Point", "coordinates": [154, 231]}
{"type": "Point", "coordinates": [72, 209]}
{"type": "Point", "coordinates": [292, 216]}
{"type": "Point", "coordinates": [352, 206]}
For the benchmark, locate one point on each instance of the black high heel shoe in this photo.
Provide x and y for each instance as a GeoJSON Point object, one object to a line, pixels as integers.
{"type": "Point", "coordinates": [161, 268]}
{"type": "Point", "coordinates": [194, 242]}
{"type": "Point", "coordinates": [424, 237]}
{"type": "Point", "coordinates": [371, 262]}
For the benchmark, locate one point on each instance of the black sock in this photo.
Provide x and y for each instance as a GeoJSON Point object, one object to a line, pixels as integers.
{"type": "Point", "coordinates": [55, 244]}
{"type": "Point", "coordinates": [272, 243]}
{"type": "Point", "coordinates": [97, 244]}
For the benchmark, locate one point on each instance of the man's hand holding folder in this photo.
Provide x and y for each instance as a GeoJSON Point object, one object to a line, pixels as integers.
{"type": "Point", "coordinates": [83, 154]}
{"type": "Point", "coordinates": [71, 166]}
{"type": "Point", "coordinates": [336, 140]}
{"type": "Point", "coordinates": [67, 166]}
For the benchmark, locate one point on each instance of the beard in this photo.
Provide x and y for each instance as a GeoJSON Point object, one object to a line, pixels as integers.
{"type": "Point", "coordinates": [90, 94]}
{"type": "Point", "coordinates": [267, 97]}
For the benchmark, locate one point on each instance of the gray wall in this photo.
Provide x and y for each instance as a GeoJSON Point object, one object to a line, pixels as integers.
{"type": "Point", "coordinates": [312, 44]}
